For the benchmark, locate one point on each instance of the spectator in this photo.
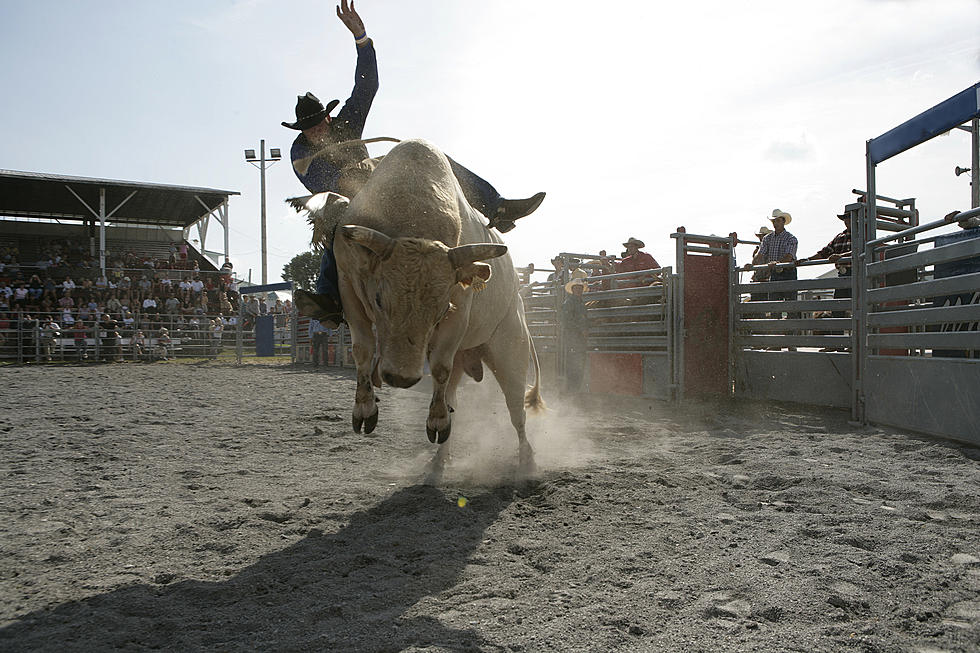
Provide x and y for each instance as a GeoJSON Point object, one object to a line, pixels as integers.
{"type": "Point", "coordinates": [49, 333]}
{"type": "Point", "coordinates": [558, 276]}
{"type": "Point", "coordinates": [839, 247]}
{"type": "Point", "coordinates": [35, 288]}
{"type": "Point", "coordinates": [574, 322]}
{"type": "Point", "coordinates": [68, 284]}
{"type": "Point", "coordinates": [66, 301]}
{"type": "Point", "coordinates": [761, 274]}
{"type": "Point", "coordinates": [139, 345]}
{"type": "Point", "coordinates": [144, 285]}
{"type": "Point", "coordinates": [171, 306]}
{"type": "Point", "coordinates": [114, 305]}
{"type": "Point", "coordinates": [319, 337]}
{"type": "Point", "coordinates": [217, 330]}
{"type": "Point", "coordinates": [110, 338]}
{"type": "Point", "coordinates": [163, 344]}
{"type": "Point", "coordinates": [28, 328]}
{"type": "Point", "coordinates": [20, 296]}
{"type": "Point", "coordinates": [184, 289]}
{"type": "Point", "coordinates": [574, 269]}
{"type": "Point", "coordinates": [635, 260]}
{"type": "Point", "coordinates": [80, 333]}
{"type": "Point", "coordinates": [197, 288]}
{"type": "Point", "coordinates": [779, 247]}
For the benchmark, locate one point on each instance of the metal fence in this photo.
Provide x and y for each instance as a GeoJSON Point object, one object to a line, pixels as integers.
{"type": "Point", "coordinates": [45, 338]}
{"type": "Point", "coordinates": [629, 330]}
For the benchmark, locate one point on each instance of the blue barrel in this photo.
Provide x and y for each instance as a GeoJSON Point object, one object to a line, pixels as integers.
{"type": "Point", "coordinates": [264, 335]}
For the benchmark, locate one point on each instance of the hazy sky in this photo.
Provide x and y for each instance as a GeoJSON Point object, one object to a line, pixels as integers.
{"type": "Point", "coordinates": [635, 117]}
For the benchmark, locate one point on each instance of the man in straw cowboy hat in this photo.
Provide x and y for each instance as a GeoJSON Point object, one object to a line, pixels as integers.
{"type": "Point", "coordinates": [343, 170]}
{"type": "Point", "coordinates": [779, 247]}
{"type": "Point", "coordinates": [574, 321]}
{"type": "Point", "coordinates": [635, 260]}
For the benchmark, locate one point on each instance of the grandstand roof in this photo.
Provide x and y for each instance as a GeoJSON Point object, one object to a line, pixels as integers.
{"type": "Point", "coordinates": [43, 195]}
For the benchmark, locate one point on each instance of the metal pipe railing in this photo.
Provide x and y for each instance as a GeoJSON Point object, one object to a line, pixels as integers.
{"type": "Point", "coordinates": [950, 219]}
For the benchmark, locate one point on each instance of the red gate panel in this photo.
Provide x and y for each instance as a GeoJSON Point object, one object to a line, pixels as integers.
{"type": "Point", "coordinates": [617, 374]}
{"type": "Point", "coordinates": [706, 306]}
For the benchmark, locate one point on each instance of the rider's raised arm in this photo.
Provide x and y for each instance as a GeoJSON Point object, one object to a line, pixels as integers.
{"type": "Point", "coordinates": [357, 106]}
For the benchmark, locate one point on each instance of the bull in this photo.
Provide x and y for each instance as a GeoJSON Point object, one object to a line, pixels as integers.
{"type": "Point", "coordinates": [421, 279]}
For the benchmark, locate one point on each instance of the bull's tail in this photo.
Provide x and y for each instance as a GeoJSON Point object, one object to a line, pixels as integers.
{"type": "Point", "coordinates": [532, 398]}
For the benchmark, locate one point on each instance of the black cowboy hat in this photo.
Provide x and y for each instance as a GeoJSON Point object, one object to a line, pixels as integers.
{"type": "Point", "coordinates": [310, 111]}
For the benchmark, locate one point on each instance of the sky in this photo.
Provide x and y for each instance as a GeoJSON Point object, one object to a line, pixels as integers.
{"type": "Point", "coordinates": [634, 117]}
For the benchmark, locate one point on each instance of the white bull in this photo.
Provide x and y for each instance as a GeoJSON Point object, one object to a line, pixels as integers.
{"type": "Point", "coordinates": [417, 262]}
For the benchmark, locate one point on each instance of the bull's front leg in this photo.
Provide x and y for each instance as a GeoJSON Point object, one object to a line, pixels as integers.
{"type": "Point", "coordinates": [365, 413]}
{"type": "Point", "coordinates": [439, 423]}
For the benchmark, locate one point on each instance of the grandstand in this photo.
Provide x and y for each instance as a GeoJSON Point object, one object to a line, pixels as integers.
{"type": "Point", "coordinates": [104, 215]}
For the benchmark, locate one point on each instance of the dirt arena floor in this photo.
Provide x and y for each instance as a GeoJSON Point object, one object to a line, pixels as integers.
{"type": "Point", "coordinates": [203, 506]}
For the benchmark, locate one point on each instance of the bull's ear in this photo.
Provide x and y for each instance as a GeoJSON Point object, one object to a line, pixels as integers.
{"type": "Point", "coordinates": [473, 274]}
{"type": "Point", "coordinates": [460, 256]}
{"type": "Point", "coordinates": [375, 241]}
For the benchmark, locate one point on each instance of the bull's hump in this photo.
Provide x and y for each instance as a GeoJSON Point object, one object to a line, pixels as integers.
{"type": "Point", "coordinates": [412, 193]}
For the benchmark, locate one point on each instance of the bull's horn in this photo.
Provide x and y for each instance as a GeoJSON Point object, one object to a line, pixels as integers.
{"type": "Point", "coordinates": [375, 241]}
{"type": "Point", "coordinates": [465, 254]}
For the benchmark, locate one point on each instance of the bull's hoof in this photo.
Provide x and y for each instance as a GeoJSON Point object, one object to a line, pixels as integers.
{"type": "Point", "coordinates": [370, 422]}
{"type": "Point", "coordinates": [437, 436]}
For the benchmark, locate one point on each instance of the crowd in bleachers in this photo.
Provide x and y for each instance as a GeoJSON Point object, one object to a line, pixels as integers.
{"type": "Point", "coordinates": [141, 298]}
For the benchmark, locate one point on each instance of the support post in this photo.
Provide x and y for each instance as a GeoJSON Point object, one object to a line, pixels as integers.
{"type": "Point", "coordinates": [102, 230]}
{"type": "Point", "coordinates": [265, 264]}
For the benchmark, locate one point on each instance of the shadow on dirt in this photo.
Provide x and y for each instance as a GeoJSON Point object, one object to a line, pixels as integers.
{"type": "Point", "coordinates": [353, 590]}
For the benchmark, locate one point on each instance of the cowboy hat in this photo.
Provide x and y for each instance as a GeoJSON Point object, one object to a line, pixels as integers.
{"type": "Point", "coordinates": [310, 112]}
{"type": "Point", "coordinates": [787, 218]}
{"type": "Point", "coordinates": [763, 231]}
{"type": "Point", "coordinates": [577, 282]}
{"type": "Point", "coordinates": [634, 241]}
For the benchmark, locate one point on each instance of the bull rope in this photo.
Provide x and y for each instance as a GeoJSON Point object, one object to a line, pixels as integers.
{"type": "Point", "coordinates": [354, 141]}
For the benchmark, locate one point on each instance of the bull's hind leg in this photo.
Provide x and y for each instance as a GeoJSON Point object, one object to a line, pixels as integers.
{"type": "Point", "coordinates": [507, 358]}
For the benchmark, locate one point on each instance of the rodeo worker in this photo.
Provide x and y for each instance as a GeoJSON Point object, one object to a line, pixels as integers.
{"type": "Point", "coordinates": [343, 169]}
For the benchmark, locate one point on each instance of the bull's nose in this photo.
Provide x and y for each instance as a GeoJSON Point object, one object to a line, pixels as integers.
{"type": "Point", "coordinates": [399, 381]}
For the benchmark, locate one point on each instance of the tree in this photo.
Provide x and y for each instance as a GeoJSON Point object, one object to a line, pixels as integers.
{"type": "Point", "coordinates": [302, 270]}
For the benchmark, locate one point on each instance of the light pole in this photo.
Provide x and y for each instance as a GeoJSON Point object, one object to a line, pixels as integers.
{"type": "Point", "coordinates": [262, 163]}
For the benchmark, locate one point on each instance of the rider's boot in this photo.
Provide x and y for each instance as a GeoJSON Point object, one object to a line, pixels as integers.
{"type": "Point", "coordinates": [511, 210]}
{"type": "Point", "coordinates": [323, 308]}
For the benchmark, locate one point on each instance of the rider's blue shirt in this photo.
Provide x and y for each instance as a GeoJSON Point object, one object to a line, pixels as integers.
{"type": "Point", "coordinates": [321, 174]}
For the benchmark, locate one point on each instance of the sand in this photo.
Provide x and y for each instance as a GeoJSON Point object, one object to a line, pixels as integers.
{"type": "Point", "coordinates": [209, 507]}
